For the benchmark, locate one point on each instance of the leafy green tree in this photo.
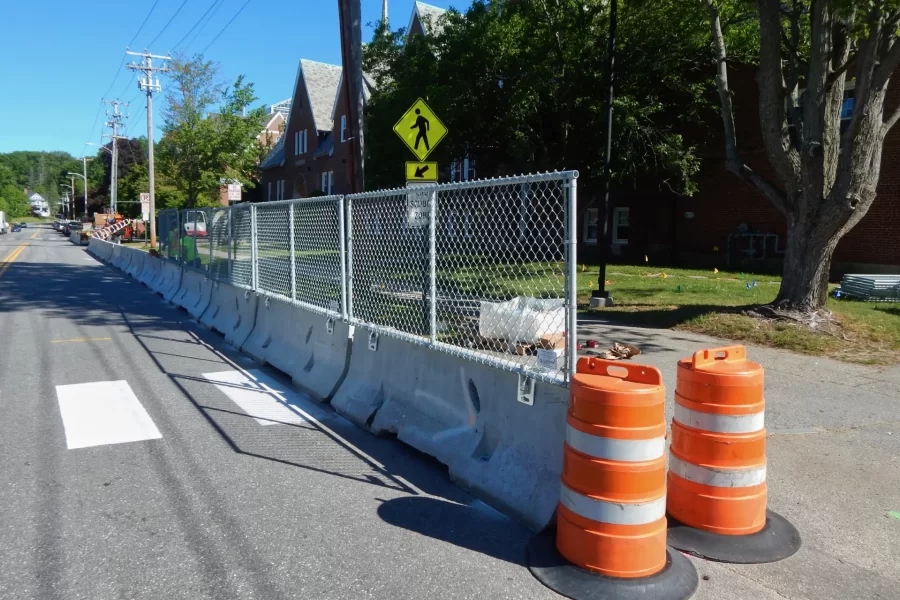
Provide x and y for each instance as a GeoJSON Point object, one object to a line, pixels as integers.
{"type": "Point", "coordinates": [199, 147]}
{"type": "Point", "coordinates": [522, 87]}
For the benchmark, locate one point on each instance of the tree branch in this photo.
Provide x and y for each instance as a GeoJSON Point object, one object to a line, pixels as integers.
{"type": "Point", "coordinates": [892, 120]}
{"type": "Point", "coordinates": [770, 78]}
{"type": "Point", "coordinates": [733, 160]}
{"type": "Point", "coordinates": [888, 63]}
{"type": "Point", "coordinates": [841, 69]}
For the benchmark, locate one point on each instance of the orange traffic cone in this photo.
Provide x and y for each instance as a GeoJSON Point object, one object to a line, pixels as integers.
{"type": "Point", "coordinates": [611, 524]}
{"type": "Point", "coordinates": [717, 467]}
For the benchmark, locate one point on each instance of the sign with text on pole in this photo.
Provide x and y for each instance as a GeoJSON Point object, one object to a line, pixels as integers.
{"type": "Point", "coordinates": [145, 206]}
{"type": "Point", "coordinates": [421, 171]}
{"type": "Point", "coordinates": [418, 204]}
{"type": "Point", "coordinates": [234, 192]}
{"type": "Point", "coordinates": [420, 129]}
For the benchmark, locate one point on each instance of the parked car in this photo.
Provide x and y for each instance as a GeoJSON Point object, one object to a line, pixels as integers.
{"type": "Point", "coordinates": [23, 225]}
{"type": "Point", "coordinates": [16, 228]}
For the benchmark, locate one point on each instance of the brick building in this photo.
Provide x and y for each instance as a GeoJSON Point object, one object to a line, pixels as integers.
{"type": "Point", "coordinates": [728, 223]}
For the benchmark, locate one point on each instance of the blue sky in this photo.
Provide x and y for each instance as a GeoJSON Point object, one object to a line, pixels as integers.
{"type": "Point", "coordinates": [58, 57]}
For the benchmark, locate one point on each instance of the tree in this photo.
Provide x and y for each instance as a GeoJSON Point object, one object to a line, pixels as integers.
{"type": "Point", "coordinates": [826, 176]}
{"type": "Point", "coordinates": [521, 87]}
{"type": "Point", "coordinates": [199, 148]}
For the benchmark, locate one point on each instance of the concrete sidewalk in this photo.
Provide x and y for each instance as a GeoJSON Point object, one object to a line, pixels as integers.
{"type": "Point", "coordinates": [834, 468]}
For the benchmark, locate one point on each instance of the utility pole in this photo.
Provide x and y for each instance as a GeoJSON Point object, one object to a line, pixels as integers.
{"type": "Point", "coordinates": [384, 17]}
{"type": "Point", "coordinates": [600, 296]}
{"type": "Point", "coordinates": [351, 63]}
{"type": "Point", "coordinates": [84, 160]}
{"type": "Point", "coordinates": [115, 121]}
{"type": "Point", "coordinates": [72, 181]}
{"type": "Point", "coordinates": [147, 85]}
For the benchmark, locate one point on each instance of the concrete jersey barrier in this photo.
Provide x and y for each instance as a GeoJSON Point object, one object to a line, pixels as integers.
{"type": "Point", "coordinates": [150, 271]}
{"type": "Point", "coordinates": [120, 257]}
{"type": "Point", "coordinates": [168, 283]}
{"type": "Point", "coordinates": [194, 293]}
{"type": "Point", "coordinates": [136, 262]}
{"type": "Point", "coordinates": [231, 312]}
{"type": "Point", "coordinates": [100, 249]}
{"type": "Point", "coordinates": [297, 342]}
{"type": "Point", "coordinates": [465, 414]}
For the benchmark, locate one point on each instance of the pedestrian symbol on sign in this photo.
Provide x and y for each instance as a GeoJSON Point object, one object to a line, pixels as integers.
{"type": "Point", "coordinates": [420, 129]}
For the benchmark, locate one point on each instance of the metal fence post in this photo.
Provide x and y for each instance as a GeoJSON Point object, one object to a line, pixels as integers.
{"type": "Point", "coordinates": [348, 278]}
{"type": "Point", "coordinates": [254, 251]}
{"type": "Point", "coordinates": [432, 251]}
{"type": "Point", "coordinates": [293, 254]}
{"type": "Point", "coordinates": [572, 275]}
{"type": "Point", "coordinates": [228, 238]}
{"type": "Point", "coordinates": [342, 249]}
{"type": "Point", "coordinates": [210, 228]}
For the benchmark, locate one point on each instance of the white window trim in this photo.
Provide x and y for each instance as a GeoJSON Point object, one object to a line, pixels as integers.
{"type": "Point", "coordinates": [330, 182]}
{"type": "Point", "coordinates": [343, 128]}
{"type": "Point", "coordinates": [303, 140]}
{"type": "Point", "coordinates": [587, 221]}
{"type": "Point", "coordinates": [615, 224]}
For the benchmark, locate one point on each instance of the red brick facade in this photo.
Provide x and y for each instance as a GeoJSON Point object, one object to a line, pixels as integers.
{"type": "Point", "coordinates": [695, 231]}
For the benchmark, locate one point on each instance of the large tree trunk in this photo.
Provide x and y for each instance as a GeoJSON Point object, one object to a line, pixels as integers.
{"type": "Point", "coordinates": [807, 261]}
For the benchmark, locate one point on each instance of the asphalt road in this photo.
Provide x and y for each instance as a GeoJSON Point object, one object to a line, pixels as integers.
{"type": "Point", "coordinates": [190, 493]}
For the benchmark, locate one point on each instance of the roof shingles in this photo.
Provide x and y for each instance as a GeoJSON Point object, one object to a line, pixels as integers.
{"type": "Point", "coordinates": [322, 81]}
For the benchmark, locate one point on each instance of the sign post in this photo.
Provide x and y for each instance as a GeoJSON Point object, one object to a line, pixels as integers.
{"type": "Point", "coordinates": [145, 206]}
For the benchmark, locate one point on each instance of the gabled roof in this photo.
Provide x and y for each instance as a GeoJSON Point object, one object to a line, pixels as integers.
{"type": "Point", "coordinates": [368, 88]}
{"type": "Point", "coordinates": [275, 158]}
{"type": "Point", "coordinates": [426, 13]}
{"type": "Point", "coordinates": [35, 197]}
{"type": "Point", "coordinates": [321, 81]}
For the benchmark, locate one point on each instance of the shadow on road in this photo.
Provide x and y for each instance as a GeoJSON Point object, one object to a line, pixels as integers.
{"type": "Point", "coordinates": [478, 529]}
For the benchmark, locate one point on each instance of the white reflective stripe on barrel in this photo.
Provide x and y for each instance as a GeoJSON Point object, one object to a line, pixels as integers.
{"type": "Point", "coordinates": [719, 423]}
{"type": "Point", "coordinates": [723, 478]}
{"type": "Point", "coordinates": [615, 449]}
{"type": "Point", "coordinates": [616, 513]}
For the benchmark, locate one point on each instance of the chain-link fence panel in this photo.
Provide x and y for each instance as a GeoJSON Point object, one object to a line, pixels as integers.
{"type": "Point", "coordinates": [241, 247]}
{"type": "Point", "coordinates": [219, 219]}
{"type": "Point", "coordinates": [318, 268]}
{"type": "Point", "coordinates": [194, 243]}
{"type": "Point", "coordinates": [273, 251]}
{"type": "Point", "coordinates": [168, 234]}
{"type": "Point", "coordinates": [389, 262]}
{"type": "Point", "coordinates": [480, 269]}
{"type": "Point", "coordinates": [501, 276]}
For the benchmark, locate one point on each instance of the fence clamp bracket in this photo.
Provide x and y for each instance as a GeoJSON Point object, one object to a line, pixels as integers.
{"type": "Point", "coordinates": [329, 325]}
{"type": "Point", "coordinates": [525, 393]}
{"type": "Point", "coordinates": [373, 341]}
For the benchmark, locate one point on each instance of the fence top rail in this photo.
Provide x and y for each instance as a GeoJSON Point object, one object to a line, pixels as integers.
{"type": "Point", "coordinates": [494, 181]}
{"type": "Point", "coordinates": [313, 200]}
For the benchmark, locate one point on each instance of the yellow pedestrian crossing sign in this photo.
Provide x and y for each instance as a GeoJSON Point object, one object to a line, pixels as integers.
{"type": "Point", "coordinates": [420, 129]}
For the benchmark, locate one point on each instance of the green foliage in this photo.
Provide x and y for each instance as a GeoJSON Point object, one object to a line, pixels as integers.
{"type": "Point", "coordinates": [40, 172]}
{"type": "Point", "coordinates": [522, 87]}
{"type": "Point", "coordinates": [13, 202]}
{"type": "Point", "coordinates": [199, 148]}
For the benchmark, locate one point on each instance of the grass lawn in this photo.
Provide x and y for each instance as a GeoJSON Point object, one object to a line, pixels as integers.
{"type": "Point", "coordinates": [31, 220]}
{"type": "Point", "coordinates": [713, 303]}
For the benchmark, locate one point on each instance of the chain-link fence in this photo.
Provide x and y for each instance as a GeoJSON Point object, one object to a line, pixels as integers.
{"type": "Point", "coordinates": [483, 269]}
{"type": "Point", "coordinates": [168, 234]}
{"type": "Point", "coordinates": [299, 249]}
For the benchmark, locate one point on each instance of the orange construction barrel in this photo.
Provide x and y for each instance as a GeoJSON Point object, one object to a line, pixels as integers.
{"type": "Point", "coordinates": [717, 490]}
{"type": "Point", "coordinates": [611, 518]}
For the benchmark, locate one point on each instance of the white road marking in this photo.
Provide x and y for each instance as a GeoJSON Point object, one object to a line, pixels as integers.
{"type": "Point", "coordinates": [102, 413]}
{"type": "Point", "coordinates": [264, 398]}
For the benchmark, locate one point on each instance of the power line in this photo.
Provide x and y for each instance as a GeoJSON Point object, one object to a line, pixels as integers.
{"type": "Point", "coordinates": [144, 22]}
{"type": "Point", "coordinates": [166, 26]}
{"type": "Point", "coordinates": [196, 36]}
{"type": "Point", "coordinates": [211, 6]}
{"type": "Point", "coordinates": [226, 27]}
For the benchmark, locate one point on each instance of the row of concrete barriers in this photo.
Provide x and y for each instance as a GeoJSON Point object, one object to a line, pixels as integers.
{"type": "Point", "coordinates": [500, 434]}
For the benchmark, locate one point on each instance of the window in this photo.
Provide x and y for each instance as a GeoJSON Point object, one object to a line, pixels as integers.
{"type": "Point", "coordinates": [303, 145]}
{"type": "Point", "coordinates": [327, 182]}
{"type": "Point", "coordinates": [296, 142]}
{"type": "Point", "coordinates": [269, 192]}
{"type": "Point", "coordinates": [279, 193]}
{"type": "Point", "coordinates": [620, 226]}
{"type": "Point", "coordinates": [592, 225]}
{"type": "Point", "coordinates": [343, 128]}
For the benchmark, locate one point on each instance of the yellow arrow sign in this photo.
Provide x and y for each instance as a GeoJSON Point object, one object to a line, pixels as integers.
{"type": "Point", "coordinates": [421, 171]}
{"type": "Point", "coordinates": [420, 129]}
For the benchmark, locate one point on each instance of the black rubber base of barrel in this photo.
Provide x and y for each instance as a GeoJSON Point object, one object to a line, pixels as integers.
{"type": "Point", "coordinates": [677, 581]}
{"type": "Point", "coordinates": [776, 541]}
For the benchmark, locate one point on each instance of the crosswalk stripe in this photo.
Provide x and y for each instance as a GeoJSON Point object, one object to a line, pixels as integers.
{"type": "Point", "coordinates": [263, 398]}
{"type": "Point", "coordinates": [102, 413]}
